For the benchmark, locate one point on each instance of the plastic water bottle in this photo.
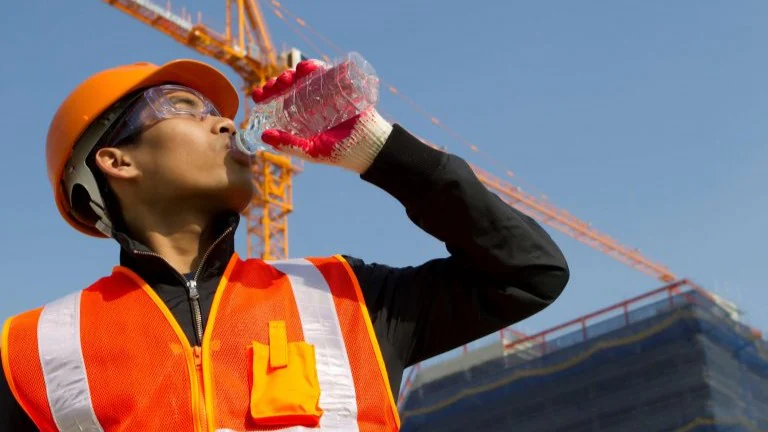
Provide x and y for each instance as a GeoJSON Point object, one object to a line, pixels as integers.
{"type": "Point", "coordinates": [317, 102]}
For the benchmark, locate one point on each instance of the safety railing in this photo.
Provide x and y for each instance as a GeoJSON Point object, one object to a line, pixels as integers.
{"type": "Point", "coordinates": [616, 316]}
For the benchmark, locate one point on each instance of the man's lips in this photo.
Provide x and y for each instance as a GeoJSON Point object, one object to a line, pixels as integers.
{"type": "Point", "coordinates": [238, 155]}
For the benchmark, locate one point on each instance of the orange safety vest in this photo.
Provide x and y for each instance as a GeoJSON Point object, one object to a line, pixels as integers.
{"type": "Point", "coordinates": [288, 346]}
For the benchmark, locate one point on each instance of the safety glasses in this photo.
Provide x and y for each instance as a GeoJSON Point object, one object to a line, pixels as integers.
{"type": "Point", "coordinates": [156, 104]}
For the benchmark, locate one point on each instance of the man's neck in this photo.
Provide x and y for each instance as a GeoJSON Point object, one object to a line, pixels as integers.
{"type": "Point", "coordinates": [181, 239]}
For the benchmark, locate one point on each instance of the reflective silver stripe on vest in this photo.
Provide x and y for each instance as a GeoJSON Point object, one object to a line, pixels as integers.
{"type": "Point", "coordinates": [66, 383]}
{"type": "Point", "coordinates": [320, 324]}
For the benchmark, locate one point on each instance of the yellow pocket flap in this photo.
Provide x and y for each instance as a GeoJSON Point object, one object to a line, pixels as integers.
{"type": "Point", "coordinates": [287, 395]}
{"type": "Point", "coordinates": [278, 344]}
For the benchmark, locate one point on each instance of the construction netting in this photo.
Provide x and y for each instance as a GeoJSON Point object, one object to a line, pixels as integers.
{"type": "Point", "coordinates": [683, 363]}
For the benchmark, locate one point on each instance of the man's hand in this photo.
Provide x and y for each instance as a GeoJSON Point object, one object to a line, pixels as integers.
{"type": "Point", "coordinates": [352, 144]}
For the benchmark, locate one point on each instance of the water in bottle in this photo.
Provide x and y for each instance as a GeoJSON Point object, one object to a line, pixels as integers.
{"type": "Point", "coordinates": [326, 97]}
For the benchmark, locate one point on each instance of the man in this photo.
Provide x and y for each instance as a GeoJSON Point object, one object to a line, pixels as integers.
{"type": "Point", "coordinates": [184, 335]}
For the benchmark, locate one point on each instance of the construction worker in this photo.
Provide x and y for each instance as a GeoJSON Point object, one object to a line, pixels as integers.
{"type": "Point", "coordinates": [185, 335]}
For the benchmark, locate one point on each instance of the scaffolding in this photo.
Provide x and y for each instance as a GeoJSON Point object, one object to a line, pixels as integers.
{"type": "Point", "coordinates": [675, 359]}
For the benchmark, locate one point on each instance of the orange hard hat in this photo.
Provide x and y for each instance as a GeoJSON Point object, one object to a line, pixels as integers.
{"type": "Point", "coordinates": [100, 92]}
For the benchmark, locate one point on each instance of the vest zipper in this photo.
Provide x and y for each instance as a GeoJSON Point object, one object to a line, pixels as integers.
{"type": "Point", "coordinates": [197, 312]}
{"type": "Point", "coordinates": [194, 295]}
{"type": "Point", "coordinates": [194, 301]}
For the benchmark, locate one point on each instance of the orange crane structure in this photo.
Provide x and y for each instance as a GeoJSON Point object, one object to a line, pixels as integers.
{"type": "Point", "coordinates": [247, 48]}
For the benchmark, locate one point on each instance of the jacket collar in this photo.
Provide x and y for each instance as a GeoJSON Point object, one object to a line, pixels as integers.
{"type": "Point", "coordinates": [154, 269]}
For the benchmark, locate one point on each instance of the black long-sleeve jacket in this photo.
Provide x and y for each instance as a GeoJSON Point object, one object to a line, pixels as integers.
{"type": "Point", "coordinates": [502, 268]}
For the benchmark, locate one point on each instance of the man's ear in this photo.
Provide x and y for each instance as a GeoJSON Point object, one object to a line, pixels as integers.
{"type": "Point", "coordinates": [116, 163]}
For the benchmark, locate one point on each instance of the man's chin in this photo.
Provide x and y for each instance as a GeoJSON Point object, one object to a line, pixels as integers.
{"type": "Point", "coordinates": [239, 199]}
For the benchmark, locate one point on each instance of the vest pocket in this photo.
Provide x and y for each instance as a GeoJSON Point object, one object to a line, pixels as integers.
{"type": "Point", "coordinates": [285, 386]}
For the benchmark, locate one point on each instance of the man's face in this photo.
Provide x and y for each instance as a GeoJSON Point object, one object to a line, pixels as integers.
{"type": "Point", "coordinates": [190, 160]}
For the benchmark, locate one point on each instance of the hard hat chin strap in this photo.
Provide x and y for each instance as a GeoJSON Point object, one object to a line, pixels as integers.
{"type": "Point", "coordinates": [105, 228]}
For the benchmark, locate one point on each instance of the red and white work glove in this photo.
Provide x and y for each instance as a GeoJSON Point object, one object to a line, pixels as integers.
{"type": "Point", "coordinates": [352, 144]}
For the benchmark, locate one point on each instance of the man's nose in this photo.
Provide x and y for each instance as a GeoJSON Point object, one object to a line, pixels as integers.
{"type": "Point", "coordinates": [224, 126]}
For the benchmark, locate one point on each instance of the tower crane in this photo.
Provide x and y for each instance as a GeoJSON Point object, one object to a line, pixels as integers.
{"type": "Point", "coordinates": [248, 50]}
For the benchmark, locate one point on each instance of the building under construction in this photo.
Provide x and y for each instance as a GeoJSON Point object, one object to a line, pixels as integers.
{"type": "Point", "coordinates": [675, 359]}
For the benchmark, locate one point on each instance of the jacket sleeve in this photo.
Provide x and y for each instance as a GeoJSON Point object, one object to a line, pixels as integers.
{"type": "Point", "coordinates": [502, 266]}
{"type": "Point", "coordinates": [12, 415]}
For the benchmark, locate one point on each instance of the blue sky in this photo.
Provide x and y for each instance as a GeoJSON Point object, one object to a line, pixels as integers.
{"type": "Point", "coordinates": [647, 119]}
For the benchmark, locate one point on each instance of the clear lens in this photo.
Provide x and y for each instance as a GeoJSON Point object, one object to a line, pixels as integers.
{"type": "Point", "coordinates": [173, 101]}
{"type": "Point", "coordinates": [159, 103]}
